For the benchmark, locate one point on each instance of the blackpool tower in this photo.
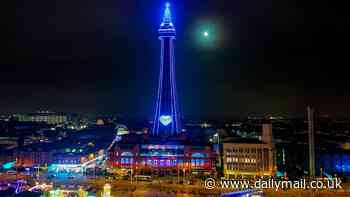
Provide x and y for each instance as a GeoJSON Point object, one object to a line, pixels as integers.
{"type": "Point", "coordinates": [167, 119]}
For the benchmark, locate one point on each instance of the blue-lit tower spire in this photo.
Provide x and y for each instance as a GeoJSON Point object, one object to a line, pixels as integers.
{"type": "Point", "coordinates": [167, 119]}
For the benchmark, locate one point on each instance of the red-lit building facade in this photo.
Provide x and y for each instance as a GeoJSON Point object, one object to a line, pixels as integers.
{"type": "Point", "coordinates": [33, 155]}
{"type": "Point", "coordinates": [162, 158]}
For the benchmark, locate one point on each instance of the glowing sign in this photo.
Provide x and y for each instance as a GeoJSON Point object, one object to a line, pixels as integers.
{"type": "Point", "coordinates": [165, 120]}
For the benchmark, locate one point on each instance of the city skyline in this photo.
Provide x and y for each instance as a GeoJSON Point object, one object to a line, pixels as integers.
{"type": "Point", "coordinates": [96, 61]}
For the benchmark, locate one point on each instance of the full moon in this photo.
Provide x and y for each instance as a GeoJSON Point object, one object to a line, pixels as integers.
{"type": "Point", "coordinates": [205, 34]}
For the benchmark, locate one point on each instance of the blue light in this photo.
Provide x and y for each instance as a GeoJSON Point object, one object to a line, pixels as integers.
{"type": "Point", "coordinates": [167, 14]}
{"type": "Point", "coordinates": [336, 163]}
{"type": "Point", "coordinates": [166, 119]}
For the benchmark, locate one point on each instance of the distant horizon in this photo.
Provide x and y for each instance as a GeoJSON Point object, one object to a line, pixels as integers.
{"type": "Point", "coordinates": [189, 117]}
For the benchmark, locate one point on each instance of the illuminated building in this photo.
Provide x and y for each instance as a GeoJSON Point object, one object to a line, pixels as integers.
{"type": "Point", "coordinates": [335, 163]}
{"type": "Point", "coordinates": [167, 119]}
{"type": "Point", "coordinates": [33, 155]}
{"type": "Point", "coordinates": [250, 157]}
{"type": "Point", "coordinates": [165, 151]}
{"type": "Point", "coordinates": [151, 157]}
{"type": "Point", "coordinates": [48, 117]}
{"type": "Point", "coordinates": [33, 158]}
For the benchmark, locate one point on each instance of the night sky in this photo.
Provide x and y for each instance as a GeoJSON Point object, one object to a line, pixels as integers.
{"type": "Point", "coordinates": [102, 57]}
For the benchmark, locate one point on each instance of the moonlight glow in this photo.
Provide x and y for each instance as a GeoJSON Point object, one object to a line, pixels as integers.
{"type": "Point", "coordinates": [207, 34]}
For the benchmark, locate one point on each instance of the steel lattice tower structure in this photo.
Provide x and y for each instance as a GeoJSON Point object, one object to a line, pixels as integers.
{"type": "Point", "coordinates": [167, 119]}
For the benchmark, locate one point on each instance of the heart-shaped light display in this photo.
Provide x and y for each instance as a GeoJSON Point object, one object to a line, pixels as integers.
{"type": "Point", "coordinates": [165, 120]}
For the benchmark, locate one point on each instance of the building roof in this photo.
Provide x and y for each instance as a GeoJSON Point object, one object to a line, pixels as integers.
{"type": "Point", "coordinates": [243, 141]}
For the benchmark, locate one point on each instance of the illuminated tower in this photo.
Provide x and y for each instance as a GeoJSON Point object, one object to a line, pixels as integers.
{"type": "Point", "coordinates": [167, 120]}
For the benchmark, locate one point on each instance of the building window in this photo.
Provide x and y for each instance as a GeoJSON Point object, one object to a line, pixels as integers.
{"type": "Point", "coordinates": [126, 161]}
{"type": "Point", "coordinates": [127, 154]}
